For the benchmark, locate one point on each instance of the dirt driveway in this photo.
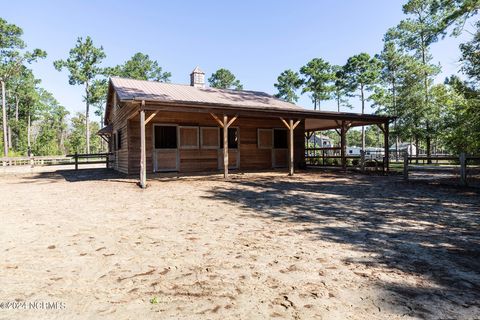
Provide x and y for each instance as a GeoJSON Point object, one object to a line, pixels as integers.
{"type": "Point", "coordinates": [263, 245]}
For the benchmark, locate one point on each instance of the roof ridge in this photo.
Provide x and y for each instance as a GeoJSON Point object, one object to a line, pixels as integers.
{"type": "Point", "coordinates": [150, 81]}
{"type": "Point", "coordinates": [211, 88]}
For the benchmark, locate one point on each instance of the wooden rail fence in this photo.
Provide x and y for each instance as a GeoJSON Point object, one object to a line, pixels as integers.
{"type": "Point", "coordinates": [330, 156]}
{"type": "Point", "coordinates": [459, 163]}
{"type": "Point", "coordinates": [75, 159]}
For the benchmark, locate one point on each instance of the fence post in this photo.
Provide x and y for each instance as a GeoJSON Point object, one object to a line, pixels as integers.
{"type": "Point", "coordinates": [32, 162]}
{"type": "Point", "coordinates": [405, 165]}
{"type": "Point", "coordinates": [106, 160]}
{"type": "Point", "coordinates": [463, 169]}
{"type": "Point", "coordinates": [76, 161]}
{"type": "Point", "coordinates": [362, 160]}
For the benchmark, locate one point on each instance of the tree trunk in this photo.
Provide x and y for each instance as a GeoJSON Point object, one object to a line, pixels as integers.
{"type": "Point", "coordinates": [9, 137]}
{"type": "Point", "coordinates": [87, 124]}
{"type": "Point", "coordinates": [394, 97]}
{"type": "Point", "coordinates": [29, 147]}
{"type": "Point", "coordinates": [363, 111]}
{"type": "Point", "coordinates": [397, 140]}
{"type": "Point", "coordinates": [410, 147]}
{"type": "Point", "coordinates": [428, 142]}
{"type": "Point", "coordinates": [416, 148]}
{"type": "Point", "coordinates": [4, 120]}
{"type": "Point", "coordinates": [425, 82]}
{"type": "Point", "coordinates": [102, 142]}
{"type": "Point", "coordinates": [16, 108]}
{"type": "Point", "coordinates": [9, 127]}
{"type": "Point", "coordinates": [338, 102]}
{"type": "Point", "coordinates": [61, 142]}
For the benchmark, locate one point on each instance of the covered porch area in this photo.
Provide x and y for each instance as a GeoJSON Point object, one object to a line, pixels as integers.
{"type": "Point", "coordinates": [320, 151]}
{"type": "Point", "coordinates": [296, 123]}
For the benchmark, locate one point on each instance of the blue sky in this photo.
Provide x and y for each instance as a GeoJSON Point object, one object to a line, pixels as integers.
{"type": "Point", "coordinates": [256, 40]}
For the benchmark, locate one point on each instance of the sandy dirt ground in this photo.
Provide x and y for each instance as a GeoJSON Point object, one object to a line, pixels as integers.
{"type": "Point", "coordinates": [262, 245]}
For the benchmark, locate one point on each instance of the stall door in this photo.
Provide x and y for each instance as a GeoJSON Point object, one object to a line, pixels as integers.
{"type": "Point", "coordinates": [280, 148]}
{"type": "Point", "coordinates": [165, 151]}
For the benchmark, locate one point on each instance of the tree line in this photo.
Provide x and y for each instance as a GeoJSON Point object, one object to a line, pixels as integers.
{"type": "Point", "coordinates": [399, 80]}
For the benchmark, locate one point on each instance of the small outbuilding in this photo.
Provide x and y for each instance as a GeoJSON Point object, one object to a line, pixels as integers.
{"type": "Point", "coordinates": [161, 127]}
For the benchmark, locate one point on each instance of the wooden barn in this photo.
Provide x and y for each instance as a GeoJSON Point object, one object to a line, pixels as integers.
{"type": "Point", "coordinates": [160, 127]}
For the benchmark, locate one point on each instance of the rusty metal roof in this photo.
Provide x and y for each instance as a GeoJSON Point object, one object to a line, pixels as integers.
{"type": "Point", "coordinates": [129, 89]}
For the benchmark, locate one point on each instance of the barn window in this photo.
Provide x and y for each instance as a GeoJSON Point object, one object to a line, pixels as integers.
{"type": "Point", "coordinates": [232, 138]}
{"type": "Point", "coordinates": [280, 140]}
{"type": "Point", "coordinates": [119, 139]}
{"type": "Point", "coordinates": [210, 138]}
{"type": "Point", "coordinates": [188, 137]}
{"type": "Point", "coordinates": [165, 137]}
{"type": "Point", "coordinates": [265, 138]}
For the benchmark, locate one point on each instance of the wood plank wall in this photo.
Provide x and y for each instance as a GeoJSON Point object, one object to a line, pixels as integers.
{"type": "Point", "coordinates": [190, 160]}
{"type": "Point", "coordinates": [118, 117]}
{"type": "Point", "coordinates": [121, 155]}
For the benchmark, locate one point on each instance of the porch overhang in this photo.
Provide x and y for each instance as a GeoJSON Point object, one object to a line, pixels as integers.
{"type": "Point", "coordinates": [314, 120]}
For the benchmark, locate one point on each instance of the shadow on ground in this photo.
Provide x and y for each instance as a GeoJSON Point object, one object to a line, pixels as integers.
{"type": "Point", "coordinates": [91, 174]}
{"type": "Point", "coordinates": [427, 231]}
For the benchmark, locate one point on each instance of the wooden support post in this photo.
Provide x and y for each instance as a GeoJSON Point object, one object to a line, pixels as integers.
{"type": "Point", "coordinates": [143, 169]}
{"type": "Point", "coordinates": [76, 161]}
{"type": "Point", "coordinates": [225, 124]}
{"type": "Point", "coordinates": [106, 160]}
{"type": "Point", "coordinates": [225, 146]}
{"type": "Point", "coordinates": [290, 147]}
{"type": "Point", "coordinates": [290, 126]}
{"type": "Point", "coordinates": [343, 145]}
{"type": "Point", "coordinates": [217, 119]}
{"type": "Point", "coordinates": [405, 165]}
{"type": "Point", "coordinates": [386, 164]}
{"type": "Point", "coordinates": [463, 169]}
{"type": "Point", "coordinates": [150, 117]}
{"type": "Point", "coordinates": [362, 160]}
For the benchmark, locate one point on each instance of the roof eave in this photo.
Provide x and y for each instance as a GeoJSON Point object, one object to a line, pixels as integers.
{"type": "Point", "coordinates": [301, 113]}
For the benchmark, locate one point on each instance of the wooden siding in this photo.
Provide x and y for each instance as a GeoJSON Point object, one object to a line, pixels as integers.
{"type": "Point", "coordinates": [121, 155]}
{"type": "Point", "coordinates": [118, 117]}
{"type": "Point", "coordinates": [198, 160]}
{"type": "Point", "coordinates": [207, 159]}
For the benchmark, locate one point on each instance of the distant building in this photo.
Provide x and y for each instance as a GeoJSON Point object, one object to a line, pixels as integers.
{"type": "Point", "coordinates": [370, 152]}
{"type": "Point", "coordinates": [404, 146]}
{"type": "Point", "coordinates": [320, 141]}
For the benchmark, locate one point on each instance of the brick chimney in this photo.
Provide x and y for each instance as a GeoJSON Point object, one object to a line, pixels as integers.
{"type": "Point", "coordinates": [197, 78]}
